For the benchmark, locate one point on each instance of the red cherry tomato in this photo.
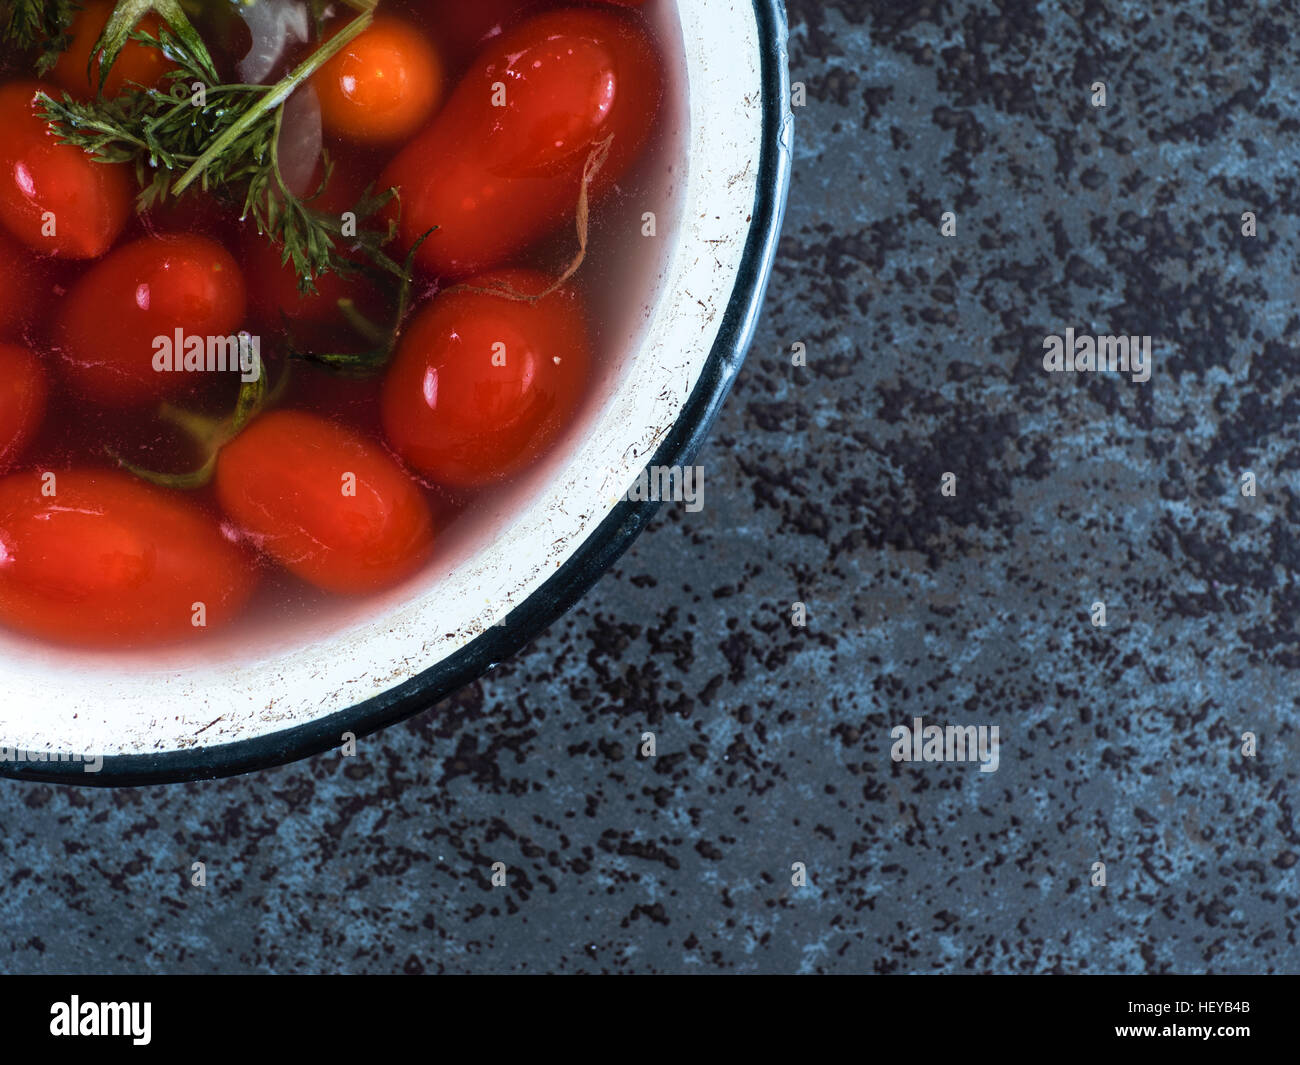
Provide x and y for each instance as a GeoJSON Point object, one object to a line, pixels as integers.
{"type": "Point", "coordinates": [482, 384]}
{"type": "Point", "coordinates": [108, 561]}
{"type": "Point", "coordinates": [136, 64]}
{"type": "Point", "coordinates": [20, 286]}
{"type": "Point", "coordinates": [315, 321]}
{"type": "Point", "coordinates": [22, 400]}
{"type": "Point", "coordinates": [325, 502]}
{"type": "Point", "coordinates": [493, 179]}
{"type": "Point", "coordinates": [273, 290]}
{"type": "Point", "coordinates": [462, 26]}
{"type": "Point", "coordinates": [108, 327]}
{"type": "Point", "coordinates": [54, 197]}
{"type": "Point", "coordinates": [382, 86]}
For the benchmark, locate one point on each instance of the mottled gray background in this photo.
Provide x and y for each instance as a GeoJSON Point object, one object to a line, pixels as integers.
{"type": "Point", "coordinates": [1118, 745]}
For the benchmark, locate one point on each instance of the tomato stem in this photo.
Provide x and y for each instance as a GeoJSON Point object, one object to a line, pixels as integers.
{"type": "Point", "coordinates": [210, 434]}
{"type": "Point", "coordinates": [199, 426]}
{"type": "Point", "coordinates": [363, 325]}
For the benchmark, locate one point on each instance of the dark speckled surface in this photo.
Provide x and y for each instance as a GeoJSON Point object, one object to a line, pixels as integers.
{"type": "Point", "coordinates": [1118, 744]}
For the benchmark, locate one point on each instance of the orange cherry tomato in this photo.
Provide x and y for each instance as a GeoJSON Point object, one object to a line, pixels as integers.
{"type": "Point", "coordinates": [108, 561]}
{"type": "Point", "coordinates": [383, 85]}
{"type": "Point", "coordinates": [108, 327]}
{"type": "Point", "coordinates": [23, 392]}
{"type": "Point", "coordinates": [482, 384]}
{"type": "Point", "coordinates": [136, 64]}
{"type": "Point", "coordinates": [325, 502]}
{"type": "Point", "coordinates": [54, 197]}
{"type": "Point", "coordinates": [501, 164]}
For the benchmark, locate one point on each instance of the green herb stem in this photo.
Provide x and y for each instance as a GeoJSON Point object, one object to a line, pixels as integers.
{"type": "Point", "coordinates": [276, 96]}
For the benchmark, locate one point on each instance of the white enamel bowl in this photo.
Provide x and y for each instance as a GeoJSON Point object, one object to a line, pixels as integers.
{"type": "Point", "coordinates": [251, 700]}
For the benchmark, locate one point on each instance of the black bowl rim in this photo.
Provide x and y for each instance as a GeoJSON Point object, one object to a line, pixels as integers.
{"type": "Point", "coordinates": [587, 564]}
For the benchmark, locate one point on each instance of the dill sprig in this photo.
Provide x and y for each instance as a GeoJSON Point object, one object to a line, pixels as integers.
{"type": "Point", "coordinates": [383, 340]}
{"type": "Point", "coordinates": [127, 15]}
{"type": "Point", "coordinates": [224, 139]}
{"type": "Point", "coordinates": [38, 26]}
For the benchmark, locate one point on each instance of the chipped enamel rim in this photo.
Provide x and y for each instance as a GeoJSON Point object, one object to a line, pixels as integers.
{"type": "Point", "coordinates": [221, 718]}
